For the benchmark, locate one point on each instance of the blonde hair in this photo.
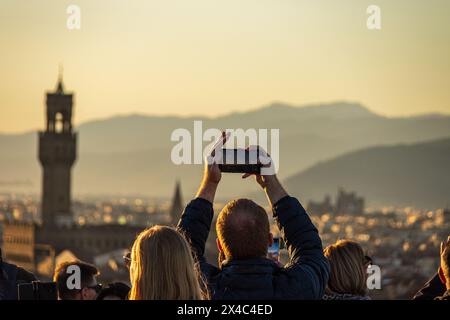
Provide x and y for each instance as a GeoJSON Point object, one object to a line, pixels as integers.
{"type": "Point", "coordinates": [162, 267]}
{"type": "Point", "coordinates": [348, 268]}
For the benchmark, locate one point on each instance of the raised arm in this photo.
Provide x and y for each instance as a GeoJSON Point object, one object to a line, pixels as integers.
{"type": "Point", "coordinates": [438, 285]}
{"type": "Point", "coordinates": [307, 264]}
{"type": "Point", "coordinates": [197, 217]}
{"type": "Point", "coordinates": [302, 239]}
{"type": "Point", "coordinates": [307, 268]}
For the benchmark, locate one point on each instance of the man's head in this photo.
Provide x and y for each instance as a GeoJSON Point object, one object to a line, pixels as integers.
{"type": "Point", "coordinates": [66, 280]}
{"type": "Point", "coordinates": [243, 230]}
{"type": "Point", "coordinates": [444, 270]}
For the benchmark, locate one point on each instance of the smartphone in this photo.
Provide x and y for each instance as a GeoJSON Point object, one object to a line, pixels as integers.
{"type": "Point", "coordinates": [274, 250]}
{"type": "Point", "coordinates": [240, 161]}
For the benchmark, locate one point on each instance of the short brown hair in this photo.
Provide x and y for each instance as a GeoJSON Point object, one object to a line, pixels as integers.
{"type": "Point", "coordinates": [88, 271]}
{"type": "Point", "coordinates": [243, 230]}
{"type": "Point", "coordinates": [348, 268]}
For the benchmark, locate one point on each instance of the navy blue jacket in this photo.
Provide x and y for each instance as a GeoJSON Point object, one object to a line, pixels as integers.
{"type": "Point", "coordinates": [10, 277]}
{"type": "Point", "coordinates": [8, 286]}
{"type": "Point", "coordinates": [432, 289]}
{"type": "Point", "coordinates": [304, 277]}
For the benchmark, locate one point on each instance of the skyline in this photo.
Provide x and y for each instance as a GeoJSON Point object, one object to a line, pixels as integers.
{"type": "Point", "coordinates": [211, 59]}
{"type": "Point", "coordinates": [147, 139]}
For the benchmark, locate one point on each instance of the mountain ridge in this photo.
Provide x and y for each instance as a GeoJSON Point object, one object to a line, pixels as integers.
{"type": "Point", "coordinates": [399, 175]}
{"type": "Point", "coordinates": [307, 135]}
{"type": "Point", "coordinates": [273, 106]}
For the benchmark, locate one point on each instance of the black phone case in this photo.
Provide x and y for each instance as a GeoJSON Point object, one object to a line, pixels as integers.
{"type": "Point", "coordinates": [240, 168]}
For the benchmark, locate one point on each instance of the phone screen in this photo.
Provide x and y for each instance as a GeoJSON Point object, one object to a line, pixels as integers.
{"type": "Point", "coordinates": [274, 250]}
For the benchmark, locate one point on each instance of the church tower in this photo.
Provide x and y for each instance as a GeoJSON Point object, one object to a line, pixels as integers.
{"type": "Point", "coordinates": [177, 205]}
{"type": "Point", "coordinates": [57, 154]}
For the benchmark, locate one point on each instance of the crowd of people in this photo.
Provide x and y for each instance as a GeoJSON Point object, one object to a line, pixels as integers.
{"type": "Point", "coordinates": [169, 262]}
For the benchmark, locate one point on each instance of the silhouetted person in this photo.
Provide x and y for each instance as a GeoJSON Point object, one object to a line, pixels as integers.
{"type": "Point", "coordinates": [162, 267]}
{"type": "Point", "coordinates": [10, 277]}
{"type": "Point", "coordinates": [244, 237]}
{"type": "Point", "coordinates": [348, 271]}
{"type": "Point", "coordinates": [438, 288]}
{"type": "Point", "coordinates": [88, 289]}
{"type": "Point", "coordinates": [114, 291]}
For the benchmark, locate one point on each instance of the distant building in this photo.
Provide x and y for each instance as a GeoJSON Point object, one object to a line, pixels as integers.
{"type": "Point", "coordinates": [19, 244]}
{"type": "Point", "coordinates": [346, 203]}
{"type": "Point", "coordinates": [57, 154]}
{"type": "Point", "coordinates": [177, 205]}
{"type": "Point", "coordinates": [446, 214]}
{"type": "Point", "coordinates": [349, 203]}
{"type": "Point", "coordinates": [321, 207]}
{"type": "Point", "coordinates": [25, 243]}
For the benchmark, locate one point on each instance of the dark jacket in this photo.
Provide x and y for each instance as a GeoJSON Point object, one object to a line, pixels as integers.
{"type": "Point", "coordinates": [10, 277]}
{"type": "Point", "coordinates": [432, 289]}
{"type": "Point", "coordinates": [304, 277]}
{"type": "Point", "coordinates": [8, 274]}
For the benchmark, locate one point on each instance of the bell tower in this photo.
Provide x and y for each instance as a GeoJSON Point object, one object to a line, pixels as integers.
{"type": "Point", "coordinates": [57, 154]}
{"type": "Point", "coordinates": [177, 205]}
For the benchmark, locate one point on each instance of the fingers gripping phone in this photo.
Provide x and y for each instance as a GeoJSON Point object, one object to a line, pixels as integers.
{"type": "Point", "coordinates": [240, 161]}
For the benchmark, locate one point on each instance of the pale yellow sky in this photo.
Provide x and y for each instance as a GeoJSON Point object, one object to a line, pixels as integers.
{"type": "Point", "coordinates": [211, 57]}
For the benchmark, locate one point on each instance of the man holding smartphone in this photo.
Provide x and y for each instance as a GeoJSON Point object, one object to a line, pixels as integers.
{"type": "Point", "coordinates": [244, 237]}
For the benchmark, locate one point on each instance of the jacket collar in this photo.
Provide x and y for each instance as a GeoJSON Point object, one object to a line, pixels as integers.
{"type": "Point", "coordinates": [255, 265]}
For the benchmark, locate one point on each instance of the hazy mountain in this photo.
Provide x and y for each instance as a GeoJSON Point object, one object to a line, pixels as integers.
{"type": "Point", "coordinates": [401, 175]}
{"type": "Point", "coordinates": [131, 154]}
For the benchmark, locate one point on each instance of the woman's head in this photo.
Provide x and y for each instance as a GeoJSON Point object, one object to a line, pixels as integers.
{"type": "Point", "coordinates": [348, 267]}
{"type": "Point", "coordinates": [162, 267]}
